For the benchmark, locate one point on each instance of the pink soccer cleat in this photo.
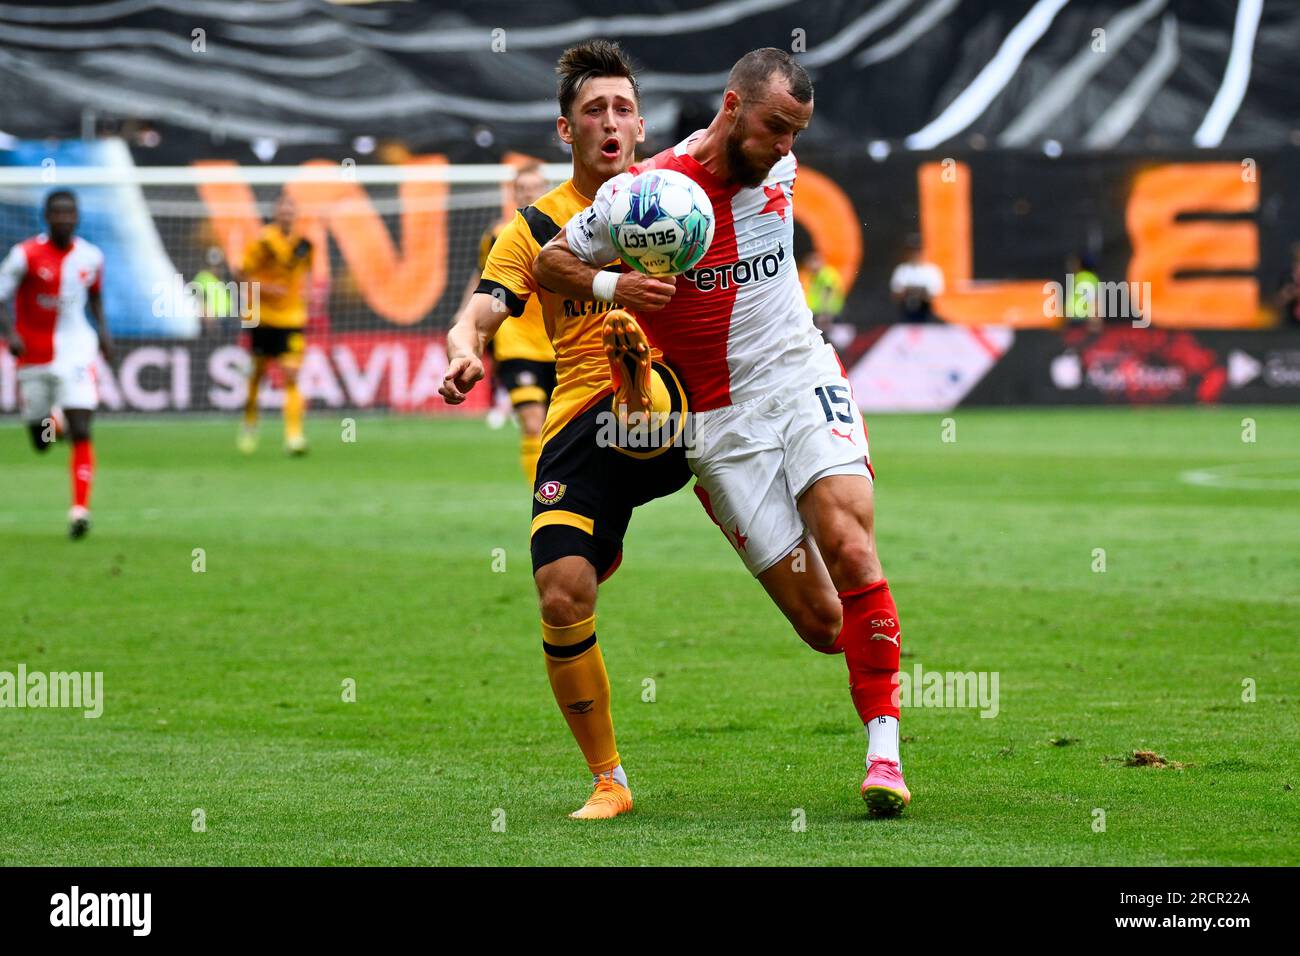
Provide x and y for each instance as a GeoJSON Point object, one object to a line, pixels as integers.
{"type": "Point", "coordinates": [884, 790]}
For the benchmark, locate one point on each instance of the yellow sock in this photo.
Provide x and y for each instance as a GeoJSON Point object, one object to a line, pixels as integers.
{"type": "Point", "coordinates": [581, 687]}
{"type": "Point", "coordinates": [250, 402]}
{"type": "Point", "coordinates": [292, 411]}
{"type": "Point", "coordinates": [530, 449]}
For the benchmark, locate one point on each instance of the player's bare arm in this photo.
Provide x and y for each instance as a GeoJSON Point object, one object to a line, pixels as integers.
{"type": "Point", "coordinates": [558, 268]}
{"type": "Point", "coordinates": [95, 305]}
{"type": "Point", "coordinates": [466, 342]}
{"type": "Point", "coordinates": [8, 336]}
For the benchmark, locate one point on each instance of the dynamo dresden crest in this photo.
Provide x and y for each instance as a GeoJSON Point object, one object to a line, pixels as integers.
{"type": "Point", "coordinates": [549, 492]}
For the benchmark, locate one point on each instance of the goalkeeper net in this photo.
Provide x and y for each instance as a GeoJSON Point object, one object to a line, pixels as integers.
{"type": "Point", "coordinates": [396, 250]}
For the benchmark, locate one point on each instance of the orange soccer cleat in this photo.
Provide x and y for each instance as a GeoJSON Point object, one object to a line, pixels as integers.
{"type": "Point", "coordinates": [608, 799]}
{"type": "Point", "coordinates": [628, 351]}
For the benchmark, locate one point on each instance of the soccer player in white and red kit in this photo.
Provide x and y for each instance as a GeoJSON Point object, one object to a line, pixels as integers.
{"type": "Point", "coordinates": [52, 279]}
{"type": "Point", "coordinates": [779, 445]}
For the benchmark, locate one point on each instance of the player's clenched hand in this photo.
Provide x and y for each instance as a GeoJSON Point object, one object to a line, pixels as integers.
{"type": "Point", "coordinates": [643, 292]}
{"type": "Point", "coordinates": [461, 375]}
{"type": "Point", "coordinates": [16, 347]}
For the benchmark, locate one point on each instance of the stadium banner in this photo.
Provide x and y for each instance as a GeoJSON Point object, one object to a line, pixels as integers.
{"type": "Point", "coordinates": [1128, 366]}
{"type": "Point", "coordinates": [1191, 240]}
{"type": "Point", "coordinates": [1183, 240]}
{"type": "Point", "coordinates": [367, 370]}
{"type": "Point", "coordinates": [904, 368]}
{"type": "Point", "coordinates": [937, 368]}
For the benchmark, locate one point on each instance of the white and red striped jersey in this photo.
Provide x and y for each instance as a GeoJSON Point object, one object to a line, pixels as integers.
{"type": "Point", "coordinates": [738, 325]}
{"type": "Point", "coordinates": [51, 286]}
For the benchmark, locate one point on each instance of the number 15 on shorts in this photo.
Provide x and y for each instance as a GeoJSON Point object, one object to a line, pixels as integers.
{"type": "Point", "coordinates": [836, 403]}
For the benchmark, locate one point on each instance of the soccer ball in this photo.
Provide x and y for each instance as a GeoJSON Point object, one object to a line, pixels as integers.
{"type": "Point", "coordinates": [662, 223]}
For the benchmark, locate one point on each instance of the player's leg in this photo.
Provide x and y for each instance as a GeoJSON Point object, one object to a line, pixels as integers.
{"type": "Point", "coordinates": [531, 416]}
{"type": "Point", "coordinates": [628, 351]}
{"type": "Point", "coordinates": [800, 586]}
{"type": "Point", "coordinates": [584, 498]}
{"type": "Point", "coordinates": [570, 555]}
{"type": "Point", "coordinates": [82, 466]}
{"type": "Point", "coordinates": [529, 385]}
{"type": "Point", "coordinates": [295, 442]}
{"type": "Point", "coordinates": [77, 393]}
{"type": "Point", "coordinates": [839, 512]}
{"type": "Point", "coordinates": [575, 666]}
{"type": "Point", "coordinates": [37, 392]}
{"type": "Point", "coordinates": [248, 429]}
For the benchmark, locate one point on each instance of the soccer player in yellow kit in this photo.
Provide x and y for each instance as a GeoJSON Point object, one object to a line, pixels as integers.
{"type": "Point", "coordinates": [277, 263]}
{"type": "Point", "coordinates": [521, 349]}
{"type": "Point", "coordinates": [585, 489]}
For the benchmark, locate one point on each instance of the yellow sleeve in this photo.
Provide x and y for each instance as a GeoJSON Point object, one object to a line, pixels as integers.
{"type": "Point", "coordinates": [252, 256]}
{"type": "Point", "coordinates": [508, 270]}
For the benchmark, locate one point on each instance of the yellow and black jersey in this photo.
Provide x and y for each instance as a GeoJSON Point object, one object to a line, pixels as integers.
{"type": "Point", "coordinates": [574, 326]}
{"type": "Point", "coordinates": [277, 259]}
{"type": "Point", "coordinates": [522, 336]}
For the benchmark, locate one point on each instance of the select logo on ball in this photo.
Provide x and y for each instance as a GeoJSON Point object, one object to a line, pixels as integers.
{"type": "Point", "coordinates": [549, 492]}
{"type": "Point", "coordinates": [662, 223]}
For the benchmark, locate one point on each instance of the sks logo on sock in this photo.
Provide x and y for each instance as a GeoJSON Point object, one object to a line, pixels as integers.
{"type": "Point", "coordinates": [581, 707]}
{"type": "Point", "coordinates": [550, 492]}
{"type": "Point", "coordinates": [884, 622]}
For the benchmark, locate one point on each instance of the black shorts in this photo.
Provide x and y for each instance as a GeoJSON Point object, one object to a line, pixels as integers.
{"type": "Point", "coordinates": [272, 342]}
{"type": "Point", "coordinates": [586, 487]}
{"type": "Point", "coordinates": [526, 380]}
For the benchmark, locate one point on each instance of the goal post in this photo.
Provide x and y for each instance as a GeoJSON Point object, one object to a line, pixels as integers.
{"type": "Point", "coordinates": [396, 247]}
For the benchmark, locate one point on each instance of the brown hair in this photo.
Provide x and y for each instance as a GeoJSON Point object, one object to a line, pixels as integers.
{"type": "Point", "coordinates": [752, 71]}
{"type": "Point", "coordinates": [589, 60]}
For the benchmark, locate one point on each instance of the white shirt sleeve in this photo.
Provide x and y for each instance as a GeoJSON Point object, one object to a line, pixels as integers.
{"type": "Point", "coordinates": [588, 232]}
{"type": "Point", "coordinates": [898, 281]}
{"type": "Point", "coordinates": [12, 271]}
{"type": "Point", "coordinates": [936, 281]}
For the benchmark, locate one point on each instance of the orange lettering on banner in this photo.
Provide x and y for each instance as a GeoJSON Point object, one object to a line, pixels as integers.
{"type": "Point", "coordinates": [828, 214]}
{"type": "Point", "coordinates": [1163, 246]}
{"type": "Point", "coordinates": [400, 283]}
{"type": "Point", "coordinates": [946, 241]}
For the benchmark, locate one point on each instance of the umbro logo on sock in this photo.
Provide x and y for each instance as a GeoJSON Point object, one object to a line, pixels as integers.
{"type": "Point", "coordinates": [581, 707]}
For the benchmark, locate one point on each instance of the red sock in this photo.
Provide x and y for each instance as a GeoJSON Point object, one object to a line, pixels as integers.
{"type": "Point", "coordinates": [872, 641]}
{"type": "Point", "coordinates": [83, 472]}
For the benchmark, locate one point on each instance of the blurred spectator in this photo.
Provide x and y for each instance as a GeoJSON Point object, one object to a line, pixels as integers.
{"type": "Point", "coordinates": [215, 301]}
{"type": "Point", "coordinates": [1082, 286]}
{"type": "Point", "coordinates": [914, 285]}
{"type": "Point", "coordinates": [824, 289]}
{"type": "Point", "coordinates": [1288, 292]}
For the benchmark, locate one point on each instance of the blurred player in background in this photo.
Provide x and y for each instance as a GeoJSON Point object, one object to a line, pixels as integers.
{"type": "Point", "coordinates": [521, 350]}
{"type": "Point", "coordinates": [56, 276]}
{"type": "Point", "coordinates": [779, 445]}
{"type": "Point", "coordinates": [278, 263]}
{"type": "Point", "coordinates": [585, 490]}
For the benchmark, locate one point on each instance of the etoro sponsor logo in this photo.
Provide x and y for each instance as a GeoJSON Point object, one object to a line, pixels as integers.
{"type": "Point", "coordinates": [756, 268]}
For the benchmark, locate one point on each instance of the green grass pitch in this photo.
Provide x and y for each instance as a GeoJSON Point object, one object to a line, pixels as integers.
{"type": "Point", "coordinates": [373, 561]}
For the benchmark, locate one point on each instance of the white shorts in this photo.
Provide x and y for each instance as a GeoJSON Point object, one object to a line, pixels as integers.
{"type": "Point", "coordinates": [43, 387]}
{"type": "Point", "coordinates": [754, 460]}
